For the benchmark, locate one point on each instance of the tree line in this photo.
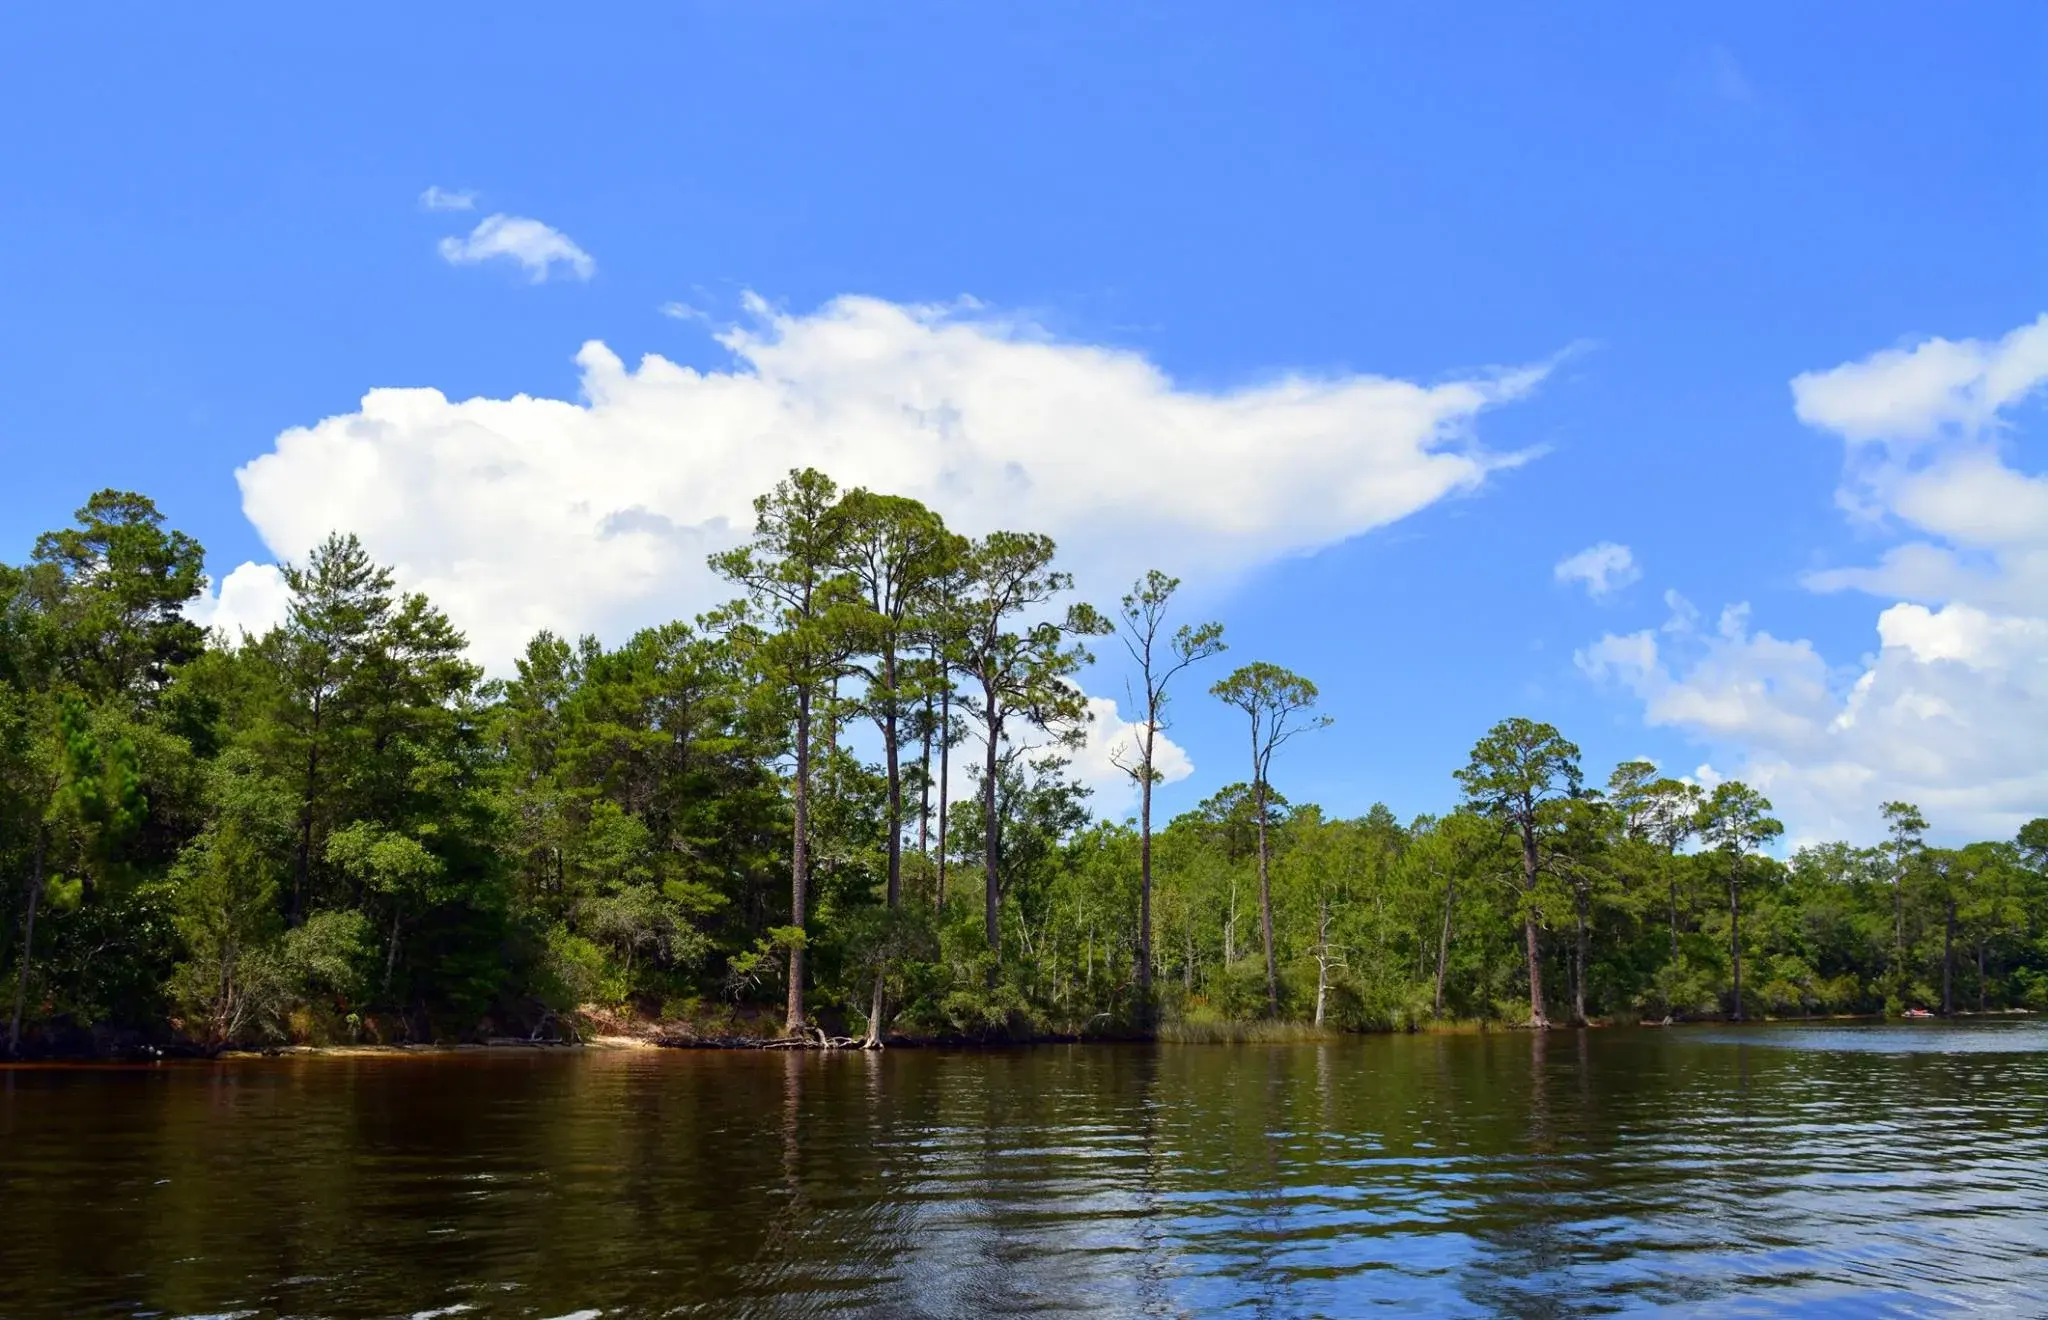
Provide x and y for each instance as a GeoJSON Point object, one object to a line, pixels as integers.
{"type": "Point", "coordinates": [343, 830]}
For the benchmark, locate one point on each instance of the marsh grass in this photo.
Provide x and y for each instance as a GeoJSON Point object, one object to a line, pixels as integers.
{"type": "Point", "coordinates": [1258, 1031]}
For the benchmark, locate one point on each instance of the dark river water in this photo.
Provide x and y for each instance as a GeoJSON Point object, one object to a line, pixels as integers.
{"type": "Point", "coordinates": [1836, 1170]}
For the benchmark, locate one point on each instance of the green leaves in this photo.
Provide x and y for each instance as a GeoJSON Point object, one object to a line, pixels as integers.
{"type": "Point", "coordinates": [1277, 702]}
{"type": "Point", "coordinates": [791, 572]}
{"type": "Point", "coordinates": [99, 793]}
{"type": "Point", "coordinates": [384, 861]}
{"type": "Point", "coordinates": [113, 590]}
{"type": "Point", "coordinates": [342, 826]}
{"type": "Point", "coordinates": [1519, 764]}
{"type": "Point", "coordinates": [1736, 819]}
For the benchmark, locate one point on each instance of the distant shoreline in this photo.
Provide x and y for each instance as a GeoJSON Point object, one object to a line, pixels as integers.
{"type": "Point", "coordinates": [616, 1042]}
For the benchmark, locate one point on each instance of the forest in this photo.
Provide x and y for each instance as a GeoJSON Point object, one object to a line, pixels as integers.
{"type": "Point", "coordinates": [837, 808]}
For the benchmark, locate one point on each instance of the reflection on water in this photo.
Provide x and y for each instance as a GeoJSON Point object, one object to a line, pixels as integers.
{"type": "Point", "coordinates": [1839, 1169]}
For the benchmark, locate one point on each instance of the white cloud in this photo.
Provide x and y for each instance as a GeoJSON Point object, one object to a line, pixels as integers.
{"type": "Point", "coordinates": [1106, 740]}
{"type": "Point", "coordinates": [1929, 431]}
{"type": "Point", "coordinates": [596, 515]}
{"type": "Point", "coordinates": [537, 247]}
{"type": "Point", "coordinates": [1111, 744]}
{"type": "Point", "coordinates": [1951, 712]}
{"type": "Point", "coordinates": [443, 199]}
{"type": "Point", "coordinates": [1912, 395]}
{"type": "Point", "coordinates": [248, 602]}
{"type": "Point", "coordinates": [1601, 569]}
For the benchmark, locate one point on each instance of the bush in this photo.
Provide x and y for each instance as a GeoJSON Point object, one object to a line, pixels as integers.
{"type": "Point", "coordinates": [575, 971]}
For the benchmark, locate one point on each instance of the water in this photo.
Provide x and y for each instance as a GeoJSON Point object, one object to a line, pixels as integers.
{"type": "Point", "coordinates": [1833, 1171]}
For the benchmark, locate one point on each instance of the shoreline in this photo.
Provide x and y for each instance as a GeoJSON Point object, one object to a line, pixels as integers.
{"type": "Point", "coordinates": [626, 1042]}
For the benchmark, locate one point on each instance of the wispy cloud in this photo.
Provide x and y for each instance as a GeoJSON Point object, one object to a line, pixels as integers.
{"type": "Point", "coordinates": [1712, 84]}
{"type": "Point", "coordinates": [1602, 569]}
{"type": "Point", "coordinates": [1726, 77]}
{"type": "Point", "coordinates": [443, 199]}
{"type": "Point", "coordinates": [537, 247]}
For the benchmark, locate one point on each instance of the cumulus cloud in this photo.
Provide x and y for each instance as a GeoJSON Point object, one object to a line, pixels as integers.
{"type": "Point", "coordinates": [596, 514]}
{"type": "Point", "coordinates": [1905, 396]}
{"type": "Point", "coordinates": [1602, 569]}
{"type": "Point", "coordinates": [1951, 711]}
{"type": "Point", "coordinates": [536, 247]}
{"type": "Point", "coordinates": [1929, 432]}
{"type": "Point", "coordinates": [443, 199]}
{"type": "Point", "coordinates": [1111, 744]}
{"type": "Point", "coordinates": [248, 602]}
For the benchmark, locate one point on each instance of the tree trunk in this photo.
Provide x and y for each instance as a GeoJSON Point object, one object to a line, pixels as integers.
{"type": "Point", "coordinates": [28, 941]}
{"type": "Point", "coordinates": [1266, 910]}
{"type": "Point", "coordinates": [1443, 944]}
{"type": "Point", "coordinates": [1538, 1019]}
{"type": "Point", "coordinates": [1673, 875]}
{"type": "Point", "coordinates": [1230, 927]}
{"type": "Point", "coordinates": [1579, 958]}
{"type": "Point", "coordinates": [875, 1006]}
{"type": "Point", "coordinates": [1322, 956]}
{"type": "Point", "coordinates": [1735, 935]}
{"type": "Point", "coordinates": [799, 861]}
{"type": "Point", "coordinates": [1145, 1013]}
{"type": "Point", "coordinates": [990, 837]}
{"type": "Point", "coordinates": [1948, 962]}
{"type": "Point", "coordinates": [894, 770]}
{"type": "Point", "coordinates": [1899, 925]}
{"type": "Point", "coordinates": [924, 792]}
{"type": "Point", "coordinates": [945, 761]}
{"type": "Point", "coordinates": [391, 951]}
{"type": "Point", "coordinates": [1980, 974]}
{"type": "Point", "coordinates": [302, 864]}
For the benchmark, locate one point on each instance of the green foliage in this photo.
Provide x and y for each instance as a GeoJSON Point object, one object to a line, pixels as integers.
{"type": "Point", "coordinates": [340, 830]}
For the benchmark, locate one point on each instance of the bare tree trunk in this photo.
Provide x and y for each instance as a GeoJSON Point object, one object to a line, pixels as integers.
{"type": "Point", "coordinates": [1579, 959]}
{"type": "Point", "coordinates": [945, 760]}
{"type": "Point", "coordinates": [1538, 1019]}
{"type": "Point", "coordinates": [892, 763]}
{"type": "Point", "coordinates": [1322, 956]}
{"type": "Point", "coordinates": [1443, 944]}
{"type": "Point", "coordinates": [28, 941]}
{"type": "Point", "coordinates": [799, 862]}
{"type": "Point", "coordinates": [894, 770]}
{"type": "Point", "coordinates": [391, 950]}
{"type": "Point", "coordinates": [991, 838]}
{"type": "Point", "coordinates": [1145, 882]}
{"type": "Point", "coordinates": [924, 792]}
{"type": "Point", "coordinates": [1266, 911]}
{"type": "Point", "coordinates": [1230, 928]}
{"type": "Point", "coordinates": [1899, 929]}
{"type": "Point", "coordinates": [1948, 962]}
{"type": "Point", "coordinates": [1735, 936]}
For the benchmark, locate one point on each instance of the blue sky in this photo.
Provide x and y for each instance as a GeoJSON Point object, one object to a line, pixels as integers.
{"type": "Point", "coordinates": [211, 233]}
